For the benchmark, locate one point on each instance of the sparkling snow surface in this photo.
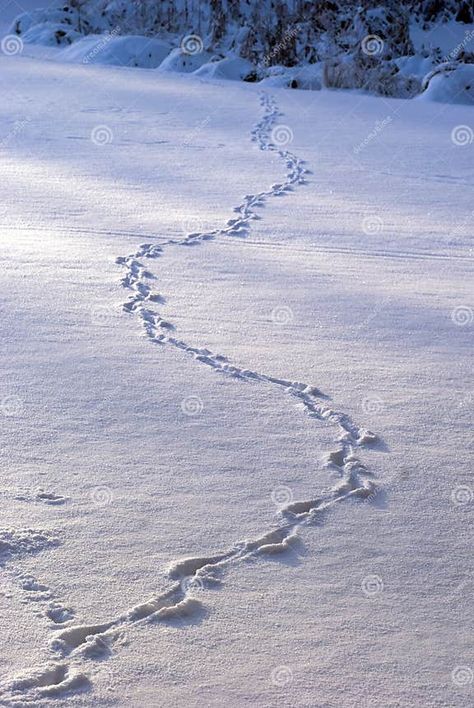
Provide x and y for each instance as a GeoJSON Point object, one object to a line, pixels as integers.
{"type": "Point", "coordinates": [342, 297]}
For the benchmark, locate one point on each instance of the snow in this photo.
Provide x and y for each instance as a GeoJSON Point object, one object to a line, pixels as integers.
{"type": "Point", "coordinates": [37, 16]}
{"type": "Point", "coordinates": [449, 37]}
{"type": "Point", "coordinates": [388, 50]}
{"type": "Point", "coordinates": [302, 77]}
{"type": "Point", "coordinates": [233, 68]}
{"type": "Point", "coordinates": [50, 34]}
{"type": "Point", "coordinates": [146, 484]}
{"type": "Point", "coordinates": [184, 62]}
{"type": "Point", "coordinates": [143, 52]}
{"type": "Point", "coordinates": [451, 85]}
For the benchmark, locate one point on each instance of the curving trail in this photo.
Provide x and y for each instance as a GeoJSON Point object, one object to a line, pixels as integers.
{"type": "Point", "coordinates": [76, 646]}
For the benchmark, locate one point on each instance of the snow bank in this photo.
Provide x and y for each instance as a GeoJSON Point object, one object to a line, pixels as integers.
{"type": "Point", "coordinates": [416, 65]}
{"type": "Point", "coordinates": [50, 34]}
{"type": "Point", "coordinates": [143, 52]}
{"type": "Point", "coordinates": [48, 27]}
{"type": "Point", "coordinates": [303, 77]}
{"type": "Point", "coordinates": [385, 50]}
{"type": "Point", "coordinates": [450, 84]}
{"type": "Point", "coordinates": [233, 68]}
{"type": "Point", "coordinates": [27, 20]}
{"type": "Point", "coordinates": [184, 62]}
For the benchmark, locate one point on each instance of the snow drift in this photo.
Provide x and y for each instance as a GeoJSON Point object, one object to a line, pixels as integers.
{"type": "Point", "coordinates": [450, 84]}
{"type": "Point", "coordinates": [382, 49]}
{"type": "Point", "coordinates": [233, 68]}
{"type": "Point", "coordinates": [184, 62]}
{"type": "Point", "coordinates": [137, 51]}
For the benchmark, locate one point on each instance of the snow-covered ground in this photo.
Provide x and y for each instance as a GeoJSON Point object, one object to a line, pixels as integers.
{"type": "Point", "coordinates": [130, 443]}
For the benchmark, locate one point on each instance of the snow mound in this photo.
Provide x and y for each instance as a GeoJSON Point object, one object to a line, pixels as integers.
{"type": "Point", "coordinates": [233, 68]}
{"type": "Point", "coordinates": [415, 65]}
{"type": "Point", "coordinates": [183, 62]}
{"type": "Point", "coordinates": [308, 77]}
{"type": "Point", "coordinates": [50, 34]}
{"type": "Point", "coordinates": [27, 20]}
{"type": "Point", "coordinates": [450, 83]}
{"type": "Point", "coordinates": [143, 52]}
{"type": "Point", "coordinates": [48, 27]}
{"type": "Point", "coordinates": [383, 49]}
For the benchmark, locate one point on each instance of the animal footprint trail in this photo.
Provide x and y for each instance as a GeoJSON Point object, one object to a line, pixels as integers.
{"type": "Point", "coordinates": [354, 479]}
{"type": "Point", "coordinates": [191, 575]}
{"type": "Point", "coordinates": [156, 328]}
{"type": "Point", "coordinates": [75, 646]}
{"type": "Point", "coordinates": [25, 587]}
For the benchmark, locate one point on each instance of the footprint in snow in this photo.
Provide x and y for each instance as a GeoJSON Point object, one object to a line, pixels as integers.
{"type": "Point", "coordinates": [50, 497]}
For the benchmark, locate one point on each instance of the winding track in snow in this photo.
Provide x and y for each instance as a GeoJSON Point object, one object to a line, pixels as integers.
{"type": "Point", "coordinates": [75, 644]}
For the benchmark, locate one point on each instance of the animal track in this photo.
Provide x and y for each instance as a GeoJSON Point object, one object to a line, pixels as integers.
{"type": "Point", "coordinates": [59, 614]}
{"type": "Point", "coordinates": [14, 542]}
{"type": "Point", "coordinates": [190, 575]}
{"type": "Point", "coordinates": [50, 497]}
{"type": "Point", "coordinates": [47, 682]}
{"type": "Point", "coordinates": [20, 542]}
{"type": "Point", "coordinates": [45, 497]}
